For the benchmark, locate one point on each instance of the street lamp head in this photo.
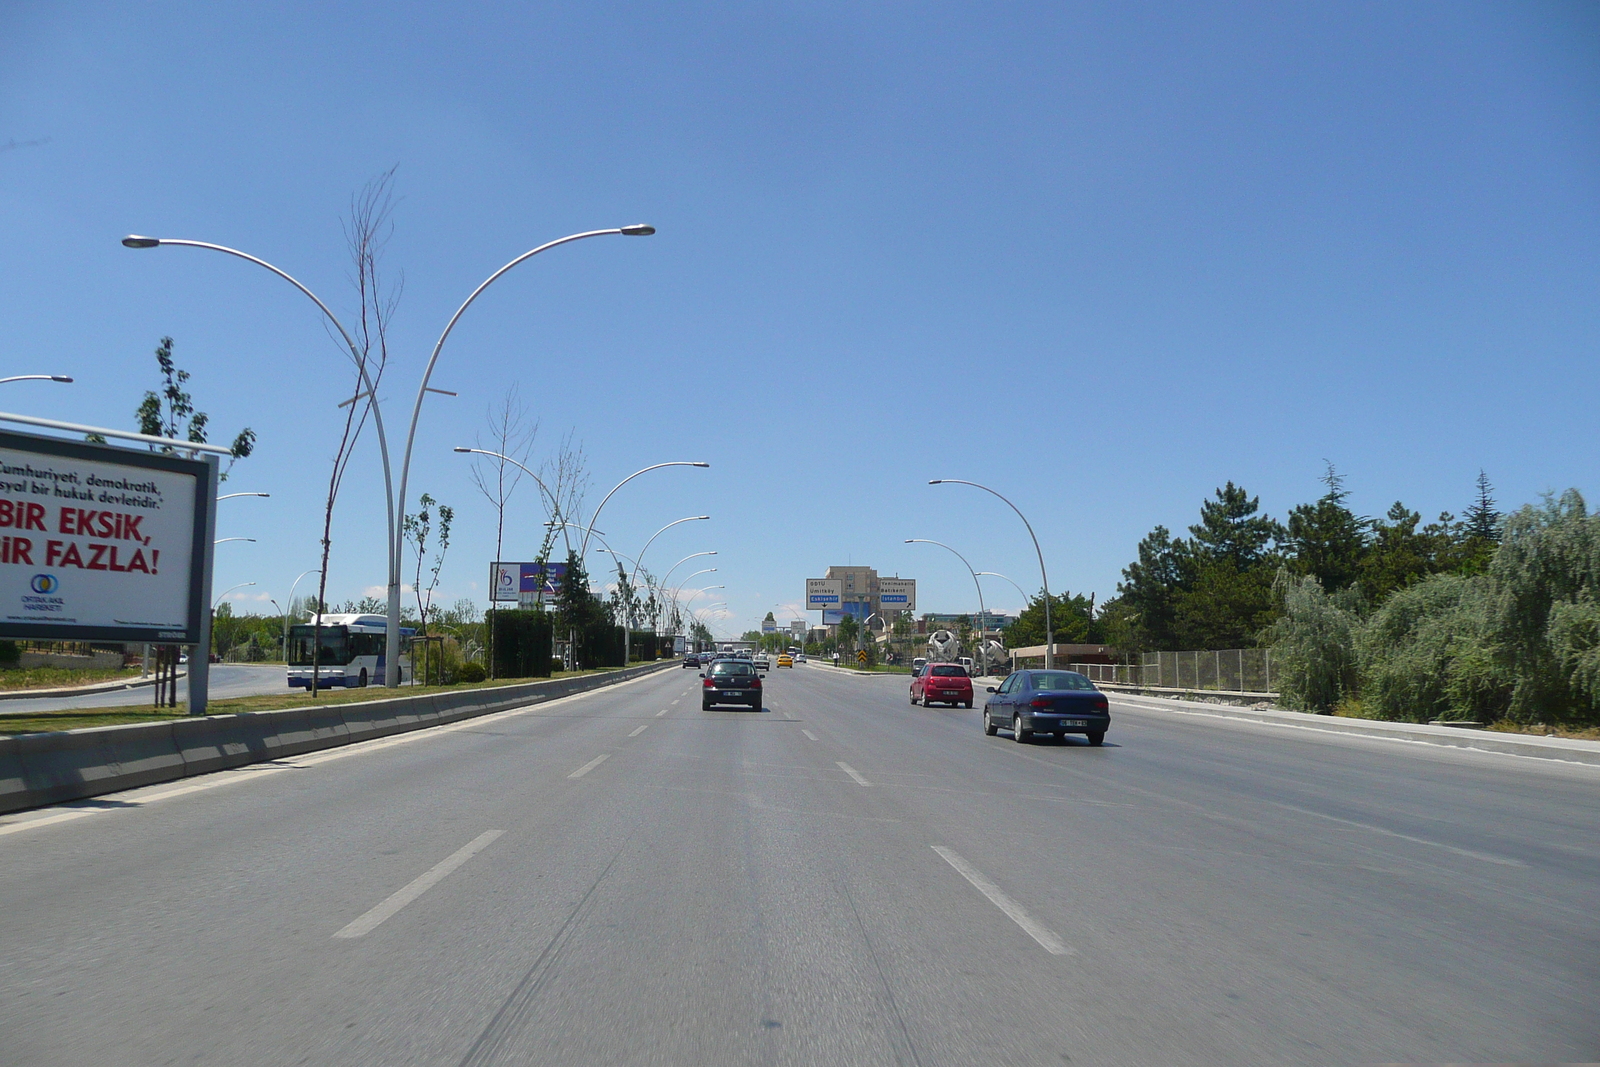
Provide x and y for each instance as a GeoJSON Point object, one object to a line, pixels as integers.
{"type": "Point", "coordinates": [639, 229]}
{"type": "Point", "coordinates": [702, 464]}
{"type": "Point", "coordinates": [461, 448]}
{"type": "Point", "coordinates": [935, 481]}
{"type": "Point", "coordinates": [133, 240]}
{"type": "Point", "coordinates": [60, 378]}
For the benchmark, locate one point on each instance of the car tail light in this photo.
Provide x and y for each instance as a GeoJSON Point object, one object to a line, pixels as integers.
{"type": "Point", "coordinates": [1039, 702]}
{"type": "Point", "coordinates": [706, 684]}
{"type": "Point", "coordinates": [1101, 704]}
{"type": "Point", "coordinates": [755, 683]}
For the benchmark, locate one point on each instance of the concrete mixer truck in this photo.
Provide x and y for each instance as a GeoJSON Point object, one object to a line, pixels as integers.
{"type": "Point", "coordinates": [943, 646]}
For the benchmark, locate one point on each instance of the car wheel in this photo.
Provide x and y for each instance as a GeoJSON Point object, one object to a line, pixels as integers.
{"type": "Point", "coordinates": [913, 699]}
{"type": "Point", "coordinates": [1018, 734]}
{"type": "Point", "coordinates": [967, 704]}
{"type": "Point", "coordinates": [363, 678]}
{"type": "Point", "coordinates": [756, 706]}
{"type": "Point", "coordinates": [704, 706]}
{"type": "Point", "coordinates": [989, 728]}
{"type": "Point", "coordinates": [1097, 738]}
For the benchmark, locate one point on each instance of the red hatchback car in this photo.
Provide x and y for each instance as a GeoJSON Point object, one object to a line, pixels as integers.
{"type": "Point", "coordinates": [942, 683]}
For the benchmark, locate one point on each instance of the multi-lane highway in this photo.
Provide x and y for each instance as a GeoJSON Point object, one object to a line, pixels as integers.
{"type": "Point", "coordinates": [227, 680]}
{"type": "Point", "coordinates": [623, 878]}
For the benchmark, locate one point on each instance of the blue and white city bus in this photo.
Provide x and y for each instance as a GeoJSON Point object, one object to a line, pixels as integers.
{"type": "Point", "coordinates": [352, 652]}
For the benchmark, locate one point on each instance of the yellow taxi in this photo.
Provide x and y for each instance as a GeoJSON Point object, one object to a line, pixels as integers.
{"type": "Point", "coordinates": [785, 660]}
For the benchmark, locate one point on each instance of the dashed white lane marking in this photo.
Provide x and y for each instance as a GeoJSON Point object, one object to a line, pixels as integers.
{"type": "Point", "coordinates": [852, 772]}
{"type": "Point", "coordinates": [675, 701]}
{"type": "Point", "coordinates": [591, 765]}
{"type": "Point", "coordinates": [134, 799]}
{"type": "Point", "coordinates": [1014, 911]}
{"type": "Point", "coordinates": [641, 728]}
{"type": "Point", "coordinates": [662, 712]}
{"type": "Point", "coordinates": [809, 734]}
{"type": "Point", "coordinates": [418, 886]}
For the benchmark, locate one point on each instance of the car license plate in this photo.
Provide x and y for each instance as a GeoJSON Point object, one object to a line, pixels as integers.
{"type": "Point", "coordinates": [1075, 724]}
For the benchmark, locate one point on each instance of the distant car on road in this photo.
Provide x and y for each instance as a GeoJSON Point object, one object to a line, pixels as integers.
{"type": "Point", "coordinates": [761, 662]}
{"type": "Point", "coordinates": [786, 660]}
{"type": "Point", "coordinates": [1047, 702]}
{"type": "Point", "coordinates": [691, 660]}
{"type": "Point", "coordinates": [731, 681]}
{"type": "Point", "coordinates": [941, 683]}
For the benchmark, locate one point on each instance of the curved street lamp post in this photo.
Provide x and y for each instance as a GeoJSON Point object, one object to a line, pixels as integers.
{"type": "Point", "coordinates": [983, 612]}
{"type": "Point", "coordinates": [394, 512]}
{"type": "Point", "coordinates": [1049, 634]}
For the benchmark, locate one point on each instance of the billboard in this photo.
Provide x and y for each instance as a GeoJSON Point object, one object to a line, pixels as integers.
{"type": "Point", "coordinates": [897, 594]}
{"type": "Point", "coordinates": [832, 616]}
{"type": "Point", "coordinates": [510, 582]}
{"type": "Point", "coordinates": [100, 543]}
{"type": "Point", "coordinates": [824, 593]}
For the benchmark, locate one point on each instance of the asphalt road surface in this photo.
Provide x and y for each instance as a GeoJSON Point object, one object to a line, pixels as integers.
{"type": "Point", "coordinates": [227, 680]}
{"type": "Point", "coordinates": [623, 878]}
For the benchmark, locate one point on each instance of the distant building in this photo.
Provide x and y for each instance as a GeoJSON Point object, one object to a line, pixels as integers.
{"type": "Point", "coordinates": [943, 620]}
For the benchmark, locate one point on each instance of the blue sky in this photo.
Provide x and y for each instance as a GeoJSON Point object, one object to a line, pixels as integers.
{"type": "Point", "coordinates": [1104, 257]}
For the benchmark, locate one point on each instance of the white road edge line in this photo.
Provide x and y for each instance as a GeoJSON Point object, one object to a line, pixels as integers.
{"type": "Point", "coordinates": [591, 765]}
{"type": "Point", "coordinates": [852, 772]}
{"type": "Point", "coordinates": [235, 775]}
{"type": "Point", "coordinates": [1014, 911]}
{"type": "Point", "coordinates": [809, 734]}
{"type": "Point", "coordinates": [418, 886]}
{"type": "Point", "coordinates": [641, 728]}
{"type": "Point", "coordinates": [1469, 853]}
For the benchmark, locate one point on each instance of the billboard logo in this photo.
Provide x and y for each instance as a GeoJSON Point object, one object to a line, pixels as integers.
{"type": "Point", "coordinates": [46, 583]}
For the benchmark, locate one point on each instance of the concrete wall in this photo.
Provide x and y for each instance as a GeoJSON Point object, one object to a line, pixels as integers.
{"type": "Point", "coordinates": [50, 768]}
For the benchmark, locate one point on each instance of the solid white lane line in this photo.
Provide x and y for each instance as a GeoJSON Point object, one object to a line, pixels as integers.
{"type": "Point", "coordinates": [48, 820]}
{"type": "Point", "coordinates": [1014, 911]}
{"type": "Point", "coordinates": [809, 734]}
{"type": "Point", "coordinates": [852, 772]}
{"type": "Point", "coordinates": [641, 728]}
{"type": "Point", "coordinates": [236, 775]}
{"type": "Point", "coordinates": [662, 712]}
{"type": "Point", "coordinates": [1484, 856]}
{"type": "Point", "coordinates": [591, 765]}
{"type": "Point", "coordinates": [426, 881]}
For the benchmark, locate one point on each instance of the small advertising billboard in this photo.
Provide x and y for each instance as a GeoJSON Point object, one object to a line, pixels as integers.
{"type": "Point", "coordinates": [897, 594]}
{"type": "Point", "coordinates": [833, 616]}
{"type": "Point", "coordinates": [824, 593]}
{"type": "Point", "coordinates": [512, 582]}
{"type": "Point", "coordinates": [100, 543]}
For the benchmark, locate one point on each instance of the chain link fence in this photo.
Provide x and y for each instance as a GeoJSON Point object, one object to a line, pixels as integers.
{"type": "Point", "coordinates": [1234, 670]}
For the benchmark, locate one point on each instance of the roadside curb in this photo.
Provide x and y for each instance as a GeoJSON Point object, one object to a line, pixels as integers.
{"type": "Point", "coordinates": [1548, 748]}
{"type": "Point", "coordinates": [78, 690]}
{"type": "Point", "coordinates": [49, 768]}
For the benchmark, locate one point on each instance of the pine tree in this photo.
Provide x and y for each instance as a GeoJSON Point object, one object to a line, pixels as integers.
{"type": "Point", "coordinates": [1326, 539]}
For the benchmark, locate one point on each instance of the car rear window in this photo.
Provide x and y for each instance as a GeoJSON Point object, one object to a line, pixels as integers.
{"type": "Point", "coordinates": [733, 668]}
{"type": "Point", "coordinates": [949, 670]}
{"type": "Point", "coordinates": [1056, 680]}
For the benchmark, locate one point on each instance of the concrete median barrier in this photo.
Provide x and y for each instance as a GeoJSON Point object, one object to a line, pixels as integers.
{"type": "Point", "coordinates": [51, 768]}
{"type": "Point", "coordinates": [84, 763]}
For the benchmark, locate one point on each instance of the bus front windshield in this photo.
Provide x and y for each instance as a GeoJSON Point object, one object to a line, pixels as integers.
{"type": "Point", "coordinates": [335, 646]}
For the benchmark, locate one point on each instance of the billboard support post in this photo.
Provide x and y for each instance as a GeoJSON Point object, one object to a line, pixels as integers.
{"type": "Point", "coordinates": [200, 659]}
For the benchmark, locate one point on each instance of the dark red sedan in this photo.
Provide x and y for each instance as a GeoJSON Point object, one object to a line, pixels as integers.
{"type": "Point", "coordinates": [941, 683]}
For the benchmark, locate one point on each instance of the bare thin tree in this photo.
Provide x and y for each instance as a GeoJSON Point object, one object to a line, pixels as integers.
{"type": "Point", "coordinates": [511, 434]}
{"type": "Point", "coordinates": [367, 230]}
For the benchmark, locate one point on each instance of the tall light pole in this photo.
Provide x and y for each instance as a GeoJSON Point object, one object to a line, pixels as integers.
{"type": "Point", "coordinates": [230, 496]}
{"type": "Point", "coordinates": [395, 512]}
{"type": "Point", "coordinates": [35, 378]}
{"type": "Point", "coordinates": [584, 547]}
{"type": "Point", "coordinates": [1014, 585]}
{"type": "Point", "coordinates": [292, 587]}
{"type": "Point", "coordinates": [682, 561]}
{"type": "Point", "coordinates": [983, 612]}
{"type": "Point", "coordinates": [555, 505]}
{"type": "Point", "coordinates": [1049, 634]}
{"type": "Point", "coordinates": [225, 592]}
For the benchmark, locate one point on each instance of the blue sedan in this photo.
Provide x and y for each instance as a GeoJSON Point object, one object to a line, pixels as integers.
{"type": "Point", "coordinates": [1047, 702]}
